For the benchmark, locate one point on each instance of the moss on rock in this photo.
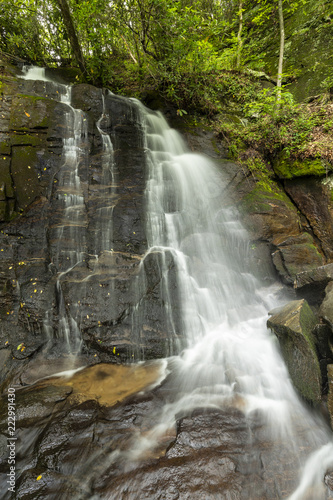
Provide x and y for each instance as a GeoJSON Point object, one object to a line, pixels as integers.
{"type": "Point", "coordinates": [293, 326]}
{"type": "Point", "coordinates": [287, 168]}
{"type": "Point", "coordinates": [26, 140]}
{"type": "Point", "coordinates": [23, 166]}
{"type": "Point", "coordinates": [263, 200]}
{"type": "Point", "coordinates": [30, 112]}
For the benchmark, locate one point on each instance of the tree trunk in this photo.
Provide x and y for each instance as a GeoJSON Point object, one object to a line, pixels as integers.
{"type": "Point", "coordinates": [69, 25]}
{"type": "Point", "coordinates": [280, 67]}
{"type": "Point", "coordinates": [239, 35]}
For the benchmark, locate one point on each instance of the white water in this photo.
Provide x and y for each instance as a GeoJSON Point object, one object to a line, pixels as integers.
{"type": "Point", "coordinates": [34, 73]}
{"type": "Point", "coordinates": [104, 229]}
{"type": "Point", "coordinates": [70, 230]}
{"type": "Point", "coordinates": [230, 357]}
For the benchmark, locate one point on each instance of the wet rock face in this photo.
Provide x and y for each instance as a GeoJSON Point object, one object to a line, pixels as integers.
{"type": "Point", "coordinates": [101, 294]}
{"type": "Point", "coordinates": [70, 438]}
{"type": "Point", "coordinates": [312, 199]}
{"type": "Point", "coordinates": [311, 284]}
{"type": "Point", "coordinates": [279, 228]}
{"type": "Point", "coordinates": [293, 325]}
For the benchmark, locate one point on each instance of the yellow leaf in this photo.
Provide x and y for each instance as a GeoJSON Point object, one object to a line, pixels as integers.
{"type": "Point", "coordinates": [39, 477]}
{"type": "Point", "coordinates": [27, 114]}
{"type": "Point", "coordinates": [19, 347]}
{"type": "Point", "coordinates": [114, 350]}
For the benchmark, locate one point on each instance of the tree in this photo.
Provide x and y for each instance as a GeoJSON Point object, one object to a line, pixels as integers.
{"type": "Point", "coordinates": [70, 28]}
{"type": "Point", "coordinates": [281, 52]}
{"type": "Point", "coordinates": [267, 9]}
{"type": "Point", "coordinates": [239, 35]}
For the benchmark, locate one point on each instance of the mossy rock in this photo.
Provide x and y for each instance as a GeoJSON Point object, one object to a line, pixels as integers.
{"type": "Point", "coordinates": [293, 326]}
{"type": "Point", "coordinates": [3, 211]}
{"type": "Point", "coordinates": [27, 140]}
{"type": "Point", "coordinates": [4, 146]}
{"type": "Point", "coordinates": [294, 255]}
{"type": "Point", "coordinates": [287, 168]}
{"type": "Point", "coordinates": [263, 200]}
{"type": "Point", "coordinates": [6, 185]}
{"type": "Point", "coordinates": [31, 112]}
{"type": "Point", "coordinates": [26, 184]}
{"type": "Point", "coordinates": [269, 215]}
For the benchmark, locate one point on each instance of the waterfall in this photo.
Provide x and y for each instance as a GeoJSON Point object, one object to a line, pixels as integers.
{"type": "Point", "coordinates": [104, 230]}
{"type": "Point", "coordinates": [229, 359]}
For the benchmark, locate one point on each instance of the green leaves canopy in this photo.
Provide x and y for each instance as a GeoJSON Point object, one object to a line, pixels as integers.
{"type": "Point", "coordinates": [151, 34]}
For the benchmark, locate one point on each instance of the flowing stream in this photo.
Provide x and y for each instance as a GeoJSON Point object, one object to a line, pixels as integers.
{"type": "Point", "coordinates": [229, 359]}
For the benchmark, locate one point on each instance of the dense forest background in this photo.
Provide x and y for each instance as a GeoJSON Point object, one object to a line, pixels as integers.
{"type": "Point", "coordinates": [259, 70]}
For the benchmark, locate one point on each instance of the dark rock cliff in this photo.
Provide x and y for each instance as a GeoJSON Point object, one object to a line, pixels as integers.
{"type": "Point", "coordinates": [102, 292]}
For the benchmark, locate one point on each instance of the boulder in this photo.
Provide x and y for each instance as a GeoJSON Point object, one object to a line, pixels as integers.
{"type": "Point", "coordinates": [293, 326]}
{"type": "Point", "coordinates": [311, 284]}
{"type": "Point", "coordinates": [294, 254]}
{"type": "Point", "coordinates": [326, 308]}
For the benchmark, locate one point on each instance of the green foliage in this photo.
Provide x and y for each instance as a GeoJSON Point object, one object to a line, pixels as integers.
{"type": "Point", "coordinates": [327, 84]}
{"type": "Point", "coordinates": [156, 36]}
{"type": "Point", "coordinates": [260, 171]}
{"type": "Point", "coordinates": [265, 103]}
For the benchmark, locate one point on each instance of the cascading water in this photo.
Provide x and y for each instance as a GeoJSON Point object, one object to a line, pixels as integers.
{"type": "Point", "coordinates": [104, 230]}
{"type": "Point", "coordinates": [230, 359]}
{"type": "Point", "coordinates": [69, 233]}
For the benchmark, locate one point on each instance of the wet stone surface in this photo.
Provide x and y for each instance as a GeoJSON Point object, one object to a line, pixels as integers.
{"type": "Point", "coordinates": [82, 448]}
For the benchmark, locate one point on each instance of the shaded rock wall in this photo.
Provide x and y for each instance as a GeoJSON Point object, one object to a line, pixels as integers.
{"type": "Point", "coordinates": [288, 225]}
{"type": "Point", "coordinates": [100, 295]}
